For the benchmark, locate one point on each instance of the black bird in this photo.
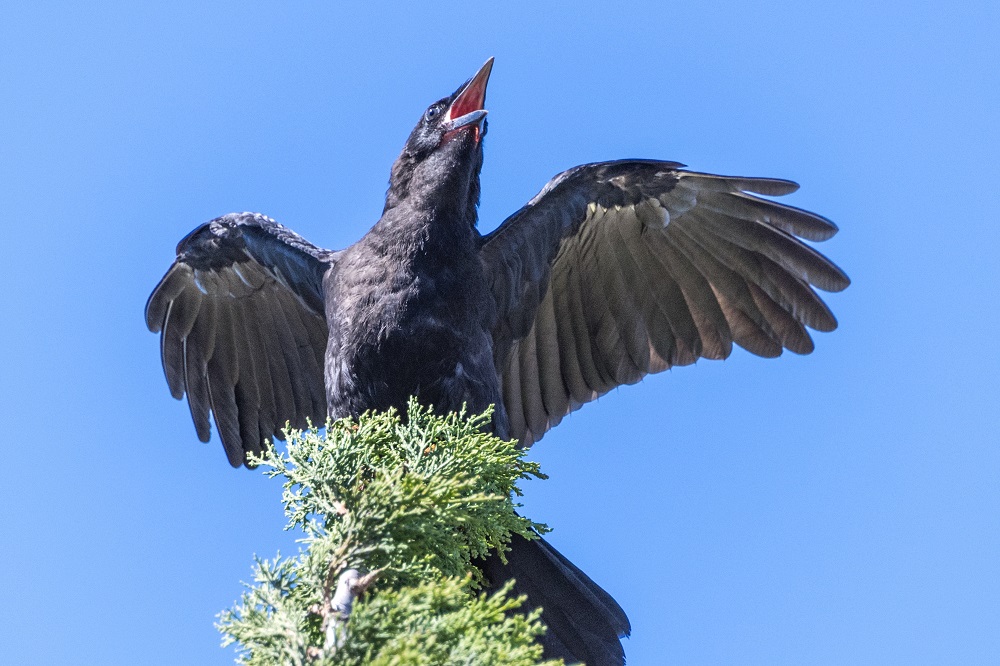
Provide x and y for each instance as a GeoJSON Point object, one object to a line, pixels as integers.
{"type": "Point", "coordinates": [613, 271]}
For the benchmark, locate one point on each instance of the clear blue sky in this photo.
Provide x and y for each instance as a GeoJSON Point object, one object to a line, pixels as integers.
{"type": "Point", "coordinates": [839, 508]}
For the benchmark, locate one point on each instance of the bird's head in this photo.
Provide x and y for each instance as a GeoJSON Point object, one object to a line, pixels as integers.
{"type": "Point", "coordinates": [444, 153]}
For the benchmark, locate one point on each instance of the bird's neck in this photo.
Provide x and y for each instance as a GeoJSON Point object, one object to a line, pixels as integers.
{"type": "Point", "coordinates": [432, 216]}
{"type": "Point", "coordinates": [417, 230]}
{"type": "Point", "coordinates": [442, 187]}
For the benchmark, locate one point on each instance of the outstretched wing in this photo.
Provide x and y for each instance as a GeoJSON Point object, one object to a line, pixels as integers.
{"type": "Point", "coordinates": [243, 330]}
{"type": "Point", "coordinates": [620, 269]}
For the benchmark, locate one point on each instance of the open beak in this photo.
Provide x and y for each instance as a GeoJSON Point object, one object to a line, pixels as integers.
{"type": "Point", "coordinates": [467, 107]}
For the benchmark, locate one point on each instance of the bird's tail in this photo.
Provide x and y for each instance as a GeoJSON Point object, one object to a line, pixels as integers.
{"type": "Point", "coordinates": [584, 622]}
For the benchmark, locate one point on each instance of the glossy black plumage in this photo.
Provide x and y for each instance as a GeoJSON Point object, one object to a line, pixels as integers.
{"type": "Point", "coordinates": [613, 271]}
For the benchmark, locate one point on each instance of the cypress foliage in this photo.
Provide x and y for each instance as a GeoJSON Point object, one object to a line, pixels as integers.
{"type": "Point", "coordinates": [393, 512]}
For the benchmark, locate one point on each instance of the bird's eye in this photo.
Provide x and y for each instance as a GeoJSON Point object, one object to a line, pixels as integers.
{"type": "Point", "coordinates": [431, 114]}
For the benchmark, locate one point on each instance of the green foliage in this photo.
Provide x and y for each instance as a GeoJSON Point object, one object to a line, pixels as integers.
{"type": "Point", "coordinates": [411, 502]}
{"type": "Point", "coordinates": [440, 623]}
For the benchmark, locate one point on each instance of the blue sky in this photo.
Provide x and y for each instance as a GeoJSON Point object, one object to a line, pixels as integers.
{"type": "Point", "coordinates": [838, 508]}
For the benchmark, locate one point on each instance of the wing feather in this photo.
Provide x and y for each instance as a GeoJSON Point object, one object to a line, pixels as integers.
{"type": "Point", "coordinates": [243, 329]}
{"type": "Point", "coordinates": [578, 320]}
{"type": "Point", "coordinates": [561, 297]}
{"type": "Point", "coordinates": [222, 377]}
{"type": "Point", "coordinates": [619, 269]}
{"type": "Point", "coordinates": [555, 396]}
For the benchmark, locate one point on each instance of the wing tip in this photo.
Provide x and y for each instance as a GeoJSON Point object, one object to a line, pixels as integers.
{"type": "Point", "coordinates": [772, 187]}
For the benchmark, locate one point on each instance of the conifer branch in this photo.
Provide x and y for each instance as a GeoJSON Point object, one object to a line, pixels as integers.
{"type": "Point", "coordinates": [412, 502]}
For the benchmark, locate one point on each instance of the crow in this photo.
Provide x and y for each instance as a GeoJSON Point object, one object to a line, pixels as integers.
{"type": "Point", "coordinates": [613, 271]}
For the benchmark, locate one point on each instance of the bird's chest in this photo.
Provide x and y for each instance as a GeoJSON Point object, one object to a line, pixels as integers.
{"type": "Point", "coordinates": [412, 332]}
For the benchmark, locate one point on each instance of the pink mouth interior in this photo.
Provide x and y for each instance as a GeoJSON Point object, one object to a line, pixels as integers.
{"type": "Point", "coordinates": [470, 100]}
